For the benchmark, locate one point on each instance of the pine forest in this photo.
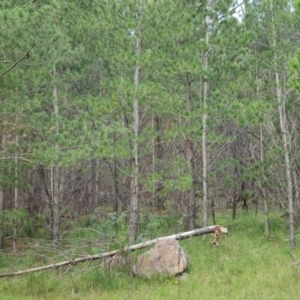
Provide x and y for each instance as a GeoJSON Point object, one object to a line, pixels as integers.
{"type": "Point", "coordinates": [115, 115]}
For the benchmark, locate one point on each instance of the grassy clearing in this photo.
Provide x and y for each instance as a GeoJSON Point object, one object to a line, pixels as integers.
{"type": "Point", "coordinates": [245, 266]}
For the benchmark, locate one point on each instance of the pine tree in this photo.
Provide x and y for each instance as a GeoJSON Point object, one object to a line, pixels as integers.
{"type": "Point", "coordinates": [275, 31]}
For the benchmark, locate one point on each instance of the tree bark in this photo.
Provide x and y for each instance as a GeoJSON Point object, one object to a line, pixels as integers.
{"type": "Point", "coordinates": [90, 187]}
{"type": "Point", "coordinates": [16, 204]}
{"type": "Point", "coordinates": [284, 135]}
{"type": "Point", "coordinates": [191, 207]}
{"type": "Point", "coordinates": [97, 177]}
{"type": "Point", "coordinates": [55, 207]}
{"type": "Point", "coordinates": [133, 222]}
{"type": "Point", "coordinates": [115, 182]}
{"type": "Point", "coordinates": [156, 155]}
{"type": "Point", "coordinates": [191, 214]}
{"type": "Point", "coordinates": [2, 195]}
{"type": "Point", "coordinates": [204, 127]}
{"type": "Point", "coordinates": [55, 174]}
{"type": "Point", "coordinates": [1, 210]}
{"type": "Point", "coordinates": [266, 209]}
{"type": "Point", "coordinates": [297, 193]}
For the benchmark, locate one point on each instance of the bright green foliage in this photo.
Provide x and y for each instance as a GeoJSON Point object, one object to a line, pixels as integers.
{"type": "Point", "coordinates": [92, 46]}
{"type": "Point", "coordinates": [12, 218]}
{"type": "Point", "coordinates": [55, 42]}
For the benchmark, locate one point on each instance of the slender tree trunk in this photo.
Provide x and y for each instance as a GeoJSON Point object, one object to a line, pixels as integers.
{"type": "Point", "coordinates": [55, 179]}
{"type": "Point", "coordinates": [212, 207]}
{"type": "Point", "coordinates": [266, 209]}
{"type": "Point", "coordinates": [234, 201]}
{"type": "Point", "coordinates": [204, 128]}
{"type": "Point", "coordinates": [115, 188]}
{"type": "Point", "coordinates": [287, 162]}
{"type": "Point", "coordinates": [124, 194]}
{"type": "Point", "coordinates": [2, 194]}
{"type": "Point", "coordinates": [16, 204]}
{"type": "Point", "coordinates": [56, 206]}
{"type": "Point", "coordinates": [1, 210]}
{"type": "Point", "coordinates": [133, 221]}
{"type": "Point", "coordinates": [115, 182]}
{"type": "Point", "coordinates": [154, 193]}
{"type": "Point", "coordinates": [191, 213]}
{"type": "Point", "coordinates": [296, 188]}
{"type": "Point", "coordinates": [191, 207]}
{"type": "Point", "coordinates": [97, 177]}
{"type": "Point", "coordinates": [73, 198]}
{"type": "Point", "coordinates": [156, 154]}
{"type": "Point", "coordinates": [90, 186]}
{"type": "Point", "coordinates": [284, 134]}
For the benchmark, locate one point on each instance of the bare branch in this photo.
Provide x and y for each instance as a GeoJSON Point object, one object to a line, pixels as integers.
{"type": "Point", "coordinates": [216, 229]}
{"type": "Point", "coordinates": [26, 55]}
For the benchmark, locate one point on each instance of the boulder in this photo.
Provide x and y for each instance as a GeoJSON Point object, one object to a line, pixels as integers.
{"type": "Point", "coordinates": [166, 257]}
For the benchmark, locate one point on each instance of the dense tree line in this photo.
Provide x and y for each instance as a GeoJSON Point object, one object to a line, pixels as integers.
{"type": "Point", "coordinates": [159, 103]}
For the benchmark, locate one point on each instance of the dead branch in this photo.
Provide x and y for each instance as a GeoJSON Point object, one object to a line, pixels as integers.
{"type": "Point", "coordinates": [216, 229]}
{"type": "Point", "coordinates": [25, 55]}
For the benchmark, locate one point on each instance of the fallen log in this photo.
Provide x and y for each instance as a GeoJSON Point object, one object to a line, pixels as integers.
{"type": "Point", "coordinates": [216, 229]}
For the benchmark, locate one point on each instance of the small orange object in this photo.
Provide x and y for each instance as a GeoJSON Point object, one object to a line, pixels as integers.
{"type": "Point", "coordinates": [217, 236]}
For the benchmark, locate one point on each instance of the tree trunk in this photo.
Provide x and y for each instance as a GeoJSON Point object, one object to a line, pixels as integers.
{"type": "Point", "coordinates": [55, 207]}
{"type": "Point", "coordinates": [191, 212]}
{"type": "Point", "coordinates": [189, 149]}
{"type": "Point", "coordinates": [97, 177]}
{"type": "Point", "coordinates": [156, 154]}
{"type": "Point", "coordinates": [16, 204]}
{"type": "Point", "coordinates": [204, 128]}
{"type": "Point", "coordinates": [55, 176]}
{"type": "Point", "coordinates": [266, 209]}
{"type": "Point", "coordinates": [115, 182]}
{"type": "Point", "coordinates": [1, 210]}
{"type": "Point", "coordinates": [234, 203]}
{"type": "Point", "coordinates": [296, 188]}
{"type": "Point", "coordinates": [284, 136]}
{"type": "Point", "coordinates": [133, 222]}
{"type": "Point", "coordinates": [90, 187]}
{"type": "Point", "coordinates": [2, 195]}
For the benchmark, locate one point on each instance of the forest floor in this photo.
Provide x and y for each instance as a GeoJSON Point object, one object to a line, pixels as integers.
{"type": "Point", "coordinates": [247, 265]}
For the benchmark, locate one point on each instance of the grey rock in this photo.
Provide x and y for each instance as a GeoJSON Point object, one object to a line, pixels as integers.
{"type": "Point", "coordinates": [166, 257]}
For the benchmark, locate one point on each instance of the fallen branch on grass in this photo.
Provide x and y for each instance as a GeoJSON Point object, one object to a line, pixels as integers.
{"type": "Point", "coordinates": [216, 229]}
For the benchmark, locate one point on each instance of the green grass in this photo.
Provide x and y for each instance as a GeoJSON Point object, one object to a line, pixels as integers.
{"type": "Point", "coordinates": [245, 266]}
